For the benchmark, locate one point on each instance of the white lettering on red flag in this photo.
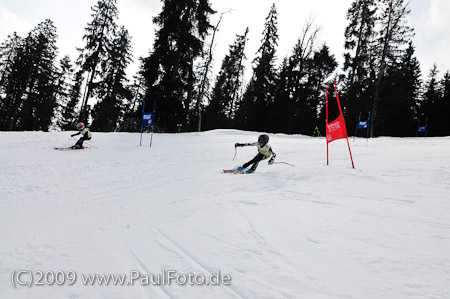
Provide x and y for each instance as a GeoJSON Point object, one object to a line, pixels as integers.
{"type": "Point", "coordinates": [335, 130]}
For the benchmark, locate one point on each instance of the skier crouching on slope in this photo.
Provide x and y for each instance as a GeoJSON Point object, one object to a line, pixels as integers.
{"type": "Point", "coordinates": [85, 135]}
{"type": "Point", "coordinates": [264, 152]}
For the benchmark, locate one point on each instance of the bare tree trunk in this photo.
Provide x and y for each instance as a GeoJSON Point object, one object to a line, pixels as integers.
{"type": "Point", "coordinates": [306, 43]}
{"type": "Point", "coordinates": [392, 24]}
{"type": "Point", "coordinates": [237, 85]}
{"type": "Point", "coordinates": [18, 100]}
{"type": "Point", "coordinates": [198, 106]}
{"type": "Point", "coordinates": [87, 91]}
{"type": "Point", "coordinates": [358, 46]}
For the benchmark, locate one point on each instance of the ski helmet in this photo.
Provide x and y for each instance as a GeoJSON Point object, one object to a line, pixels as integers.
{"type": "Point", "coordinates": [80, 126]}
{"type": "Point", "coordinates": [264, 139]}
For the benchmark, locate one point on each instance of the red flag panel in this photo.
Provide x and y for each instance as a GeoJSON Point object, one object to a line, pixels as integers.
{"type": "Point", "coordinates": [336, 129]}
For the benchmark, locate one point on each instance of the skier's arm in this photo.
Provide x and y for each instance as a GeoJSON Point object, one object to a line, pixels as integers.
{"type": "Point", "coordinates": [273, 156]}
{"type": "Point", "coordinates": [272, 153]}
{"type": "Point", "coordinates": [245, 144]}
{"type": "Point", "coordinates": [75, 134]}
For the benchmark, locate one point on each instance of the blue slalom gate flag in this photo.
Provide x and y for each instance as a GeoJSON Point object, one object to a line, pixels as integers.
{"type": "Point", "coordinates": [148, 118]}
{"type": "Point", "coordinates": [365, 125]}
{"type": "Point", "coordinates": [422, 129]}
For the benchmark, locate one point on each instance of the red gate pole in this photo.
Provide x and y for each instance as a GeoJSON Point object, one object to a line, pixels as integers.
{"type": "Point", "coordinates": [326, 121]}
{"type": "Point", "coordinates": [343, 123]}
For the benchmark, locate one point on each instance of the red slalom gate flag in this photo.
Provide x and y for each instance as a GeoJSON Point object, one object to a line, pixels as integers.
{"type": "Point", "coordinates": [336, 129]}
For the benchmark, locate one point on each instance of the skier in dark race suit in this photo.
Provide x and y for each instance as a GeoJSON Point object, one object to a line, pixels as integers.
{"type": "Point", "coordinates": [264, 152]}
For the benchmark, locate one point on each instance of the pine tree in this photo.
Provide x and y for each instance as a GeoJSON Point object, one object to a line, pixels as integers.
{"type": "Point", "coordinates": [253, 113]}
{"type": "Point", "coordinates": [63, 86]}
{"type": "Point", "coordinates": [283, 110]}
{"type": "Point", "coordinates": [359, 45]}
{"type": "Point", "coordinates": [169, 70]}
{"type": "Point", "coordinates": [133, 108]}
{"type": "Point", "coordinates": [9, 51]}
{"type": "Point", "coordinates": [225, 95]}
{"type": "Point", "coordinates": [69, 115]}
{"type": "Point", "coordinates": [439, 106]}
{"type": "Point", "coordinates": [30, 88]}
{"type": "Point", "coordinates": [42, 97]}
{"type": "Point", "coordinates": [292, 89]}
{"type": "Point", "coordinates": [320, 68]}
{"type": "Point", "coordinates": [99, 38]}
{"type": "Point", "coordinates": [359, 36]}
{"type": "Point", "coordinates": [430, 103]}
{"type": "Point", "coordinates": [113, 88]}
{"type": "Point", "coordinates": [440, 124]}
{"type": "Point", "coordinates": [431, 93]}
{"type": "Point", "coordinates": [393, 38]}
{"type": "Point", "coordinates": [14, 84]}
{"type": "Point", "coordinates": [204, 84]}
{"type": "Point", "coordinates": [398, 93]}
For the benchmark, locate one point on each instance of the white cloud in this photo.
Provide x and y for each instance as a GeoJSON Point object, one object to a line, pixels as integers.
{"type": "Point", "coordinates": [427, 17]}
{"type": "Point", "coordinates": [292, 15]}
{"type": "Point", "coordinates": [437, 15]}
{"type": "Point", "coordinates": [9, 23]}
{"type": "Point", "coordinates": [137, 17]}
{"type": "Point", "coordinates": [430, 22]}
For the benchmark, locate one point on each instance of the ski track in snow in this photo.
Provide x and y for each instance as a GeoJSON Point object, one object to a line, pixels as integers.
{"type": "Point", "coordinates": [381, 230]}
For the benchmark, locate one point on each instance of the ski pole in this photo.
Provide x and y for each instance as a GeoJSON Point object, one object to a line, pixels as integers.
{"type": "Point", "coordinates": [90, 144]}
{"type": "Point", "coordinates": [284, 163]}
{"type": "Point", "coordinates": [235, 152]}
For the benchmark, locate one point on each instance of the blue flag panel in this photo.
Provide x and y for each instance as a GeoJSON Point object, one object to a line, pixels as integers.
{"type": "Point", "coordinates": [363, 124]}
{"type": "Point", "coordinates": [148, 118]}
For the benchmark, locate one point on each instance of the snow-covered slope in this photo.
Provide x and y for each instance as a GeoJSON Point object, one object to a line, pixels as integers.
{"type": "Point", "coordinates": [381, 230]}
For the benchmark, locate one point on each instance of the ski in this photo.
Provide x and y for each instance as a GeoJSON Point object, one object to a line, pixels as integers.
{"type": "Point", "coordinates": [69, 148]}
{"type": "Point", "coordinates": [229, 170]}
{"type": "Point", "coordinates": [235, 171]}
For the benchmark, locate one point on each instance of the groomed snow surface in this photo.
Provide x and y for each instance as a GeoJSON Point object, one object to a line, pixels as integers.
{"type": "Point", "coordinates": [379, 231]}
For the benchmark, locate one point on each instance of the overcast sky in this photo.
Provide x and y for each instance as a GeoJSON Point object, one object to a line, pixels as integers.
{"type": "Point", "coordinates": [429, 18]}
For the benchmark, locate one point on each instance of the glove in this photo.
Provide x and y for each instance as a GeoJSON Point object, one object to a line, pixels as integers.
{"type": "Point", "coordinates": [271, 161]}
{"type": "Point", "coordinates": [238, 145]}
{"type": "Point", "coordinates": [72, 135]}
